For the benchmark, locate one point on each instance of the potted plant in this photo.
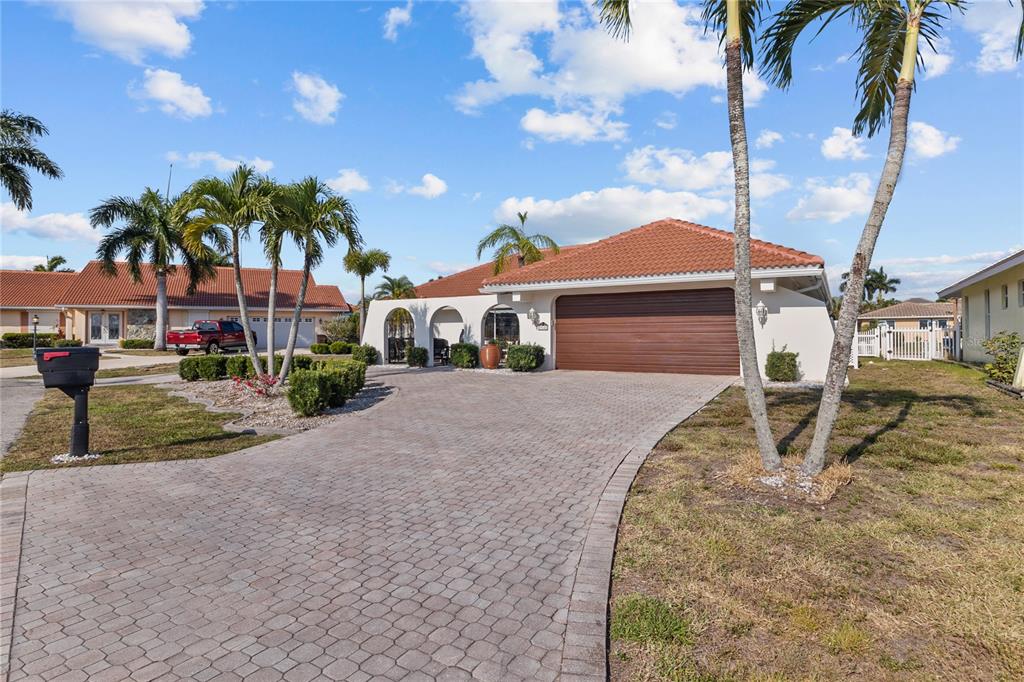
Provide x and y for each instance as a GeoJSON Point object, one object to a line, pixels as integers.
{"type": "Point", "coordinates": [490, 354]}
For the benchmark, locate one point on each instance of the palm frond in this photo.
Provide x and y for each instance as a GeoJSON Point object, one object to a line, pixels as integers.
{"type": "Point", "coordinates": [714, 15]}
{"type": "Point", "coordinates": [779, 39]}
{"type": "Point", "coordinates": [881, 56]}
{"type": "Point", "coordinates": [614, 14]}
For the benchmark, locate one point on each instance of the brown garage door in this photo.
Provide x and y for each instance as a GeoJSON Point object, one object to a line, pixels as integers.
{"type": "Point", "coordinates": [685, 332]}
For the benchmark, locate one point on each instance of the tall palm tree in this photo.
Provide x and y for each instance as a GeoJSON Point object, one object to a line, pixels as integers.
{"type": "Point", "coordinates": [273, 232]}
{"type": "Point", "coordinates": [363, 264]}
{"type": "Point", "coordinates": [224, 211]}
{"type": "Point", "coordinates": [869, 290]}
{"type": "Point", "coordinates": [735, 23]}
{"type": "Point", "coordinates": [153, 231]}
{"type": "Point", "coordinates": [394, 288]}
{"type": "Point", "coordinates": [53, 264]}
{"type": "Point", "coordinates": [880, 282]}
{"type": "Point", "coordinates": [889, 54]}
{"type": "Point", "coordinates": [317, 218]}
{"type": "Point", "coordinates": [19, 154]}
{"type": "Point", "coordinates": [510, 242]}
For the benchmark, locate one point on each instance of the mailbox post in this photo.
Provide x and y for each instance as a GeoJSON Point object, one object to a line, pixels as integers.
{"type": "Point", "coordinates": [72, 370]}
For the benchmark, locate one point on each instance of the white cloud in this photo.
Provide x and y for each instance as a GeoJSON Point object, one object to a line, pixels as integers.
{"type": "Point", "coordinates": [850, 195]}
{"type": "Point", "coordinates": [430, 187]}
{"type": "Point", "coordinates": [682, 169]}
{"type": "Point", "coordinates": [843, 144]}
{"type": "Point", "coordinates": [395, 17]}
{"type": "Point", "coordinates": [174, 96]}
{"type": "Point", "coordinates": [220, 163]}
{"type": "Point", "coordinates": [572, 126]}
{"type": "Point", "coordinates": [767, 139]}
{"type": "Point", "coordinates": [995, 25]}
{"type": "Point", "coordinates": [58, 226]}
{"type": "Point", "coordinates": [592, 215]}
{"type": "Point", "coordinates": [131, 29]}
{"type": "Point", "coordinates": [10, 262]}
{"type": "Point", "coordinates": [349, 180]}
{"type": "Point", "coordinates": [927, 141]}
{"type": "Point", "coordinates": [317, 100]}
{"type": "Point", "coordinates": [666, 121]}
{"type": "Point", "coordinates": [444, 268]}
{"type": "Point", "coordinates": [937, 61]}
{"type": "Point", "coordinates": [977, 257]}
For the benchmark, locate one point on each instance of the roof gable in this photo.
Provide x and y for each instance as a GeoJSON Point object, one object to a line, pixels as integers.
{"type": "Point", "coordinates": [911, 309]}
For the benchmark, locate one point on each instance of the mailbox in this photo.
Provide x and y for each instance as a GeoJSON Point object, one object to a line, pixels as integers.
{"type": "Point", "coordinates": [72, 370]}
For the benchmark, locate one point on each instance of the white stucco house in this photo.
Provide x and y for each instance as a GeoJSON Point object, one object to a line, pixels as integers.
{"type": "Point", "coordinates": [658, 298]}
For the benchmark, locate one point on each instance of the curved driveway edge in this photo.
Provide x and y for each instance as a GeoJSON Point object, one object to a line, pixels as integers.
{"type": "Point", "coordinates": [461, 529]}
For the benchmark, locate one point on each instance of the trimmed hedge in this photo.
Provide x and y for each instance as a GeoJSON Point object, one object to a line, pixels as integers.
{"type": "Point", "coordinates": [341, 348]}
{"type": "Point", "coordinates": [320, 348]}
{"type": "Point", "coordinates": [136, 344]}
{"type": "Point", "coordinates": [203, 367]}
{"type": "Point", "coordinates": [365, 353]}
{"type": "Point", "coordinates": [241, 365]}
{"type": "Point", "coordinates": [416, 356]}
{"type": "Point", "coordinates": [67, 343]}
{"type": "Point", "coordinates": [465, 355]}
{"type": "Point", "coordinates": [352, 371]}
{"type": "Point", "coordinates": [24, 340]}
{"type": "Point", "coordinates": [525, 357]}
{"type": "Point", "coordinates": [781, 366]}
{"type": "Point", "coordinates": [330, 384]}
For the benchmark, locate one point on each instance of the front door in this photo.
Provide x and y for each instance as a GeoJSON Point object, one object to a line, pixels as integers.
{"type": "Point", "coordinates": [104, 327]}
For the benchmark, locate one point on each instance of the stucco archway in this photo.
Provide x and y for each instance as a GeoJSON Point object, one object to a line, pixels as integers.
{"type": "Point", "coordinates": [446, 328]}
{"type": "Point", "coordinates": [500, 322]}
{"type": "Point", "coordinates": [399, 334]}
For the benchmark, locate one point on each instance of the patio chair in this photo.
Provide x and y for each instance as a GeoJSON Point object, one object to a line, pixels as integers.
{"type": "Point", "coordinates": [442, 352]}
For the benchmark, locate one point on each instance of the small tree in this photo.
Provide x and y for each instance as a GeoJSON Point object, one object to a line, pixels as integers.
{"type": "Point", "coordinates": [509, 241]}
{"type": "Point", "coordinates": [363, 264]}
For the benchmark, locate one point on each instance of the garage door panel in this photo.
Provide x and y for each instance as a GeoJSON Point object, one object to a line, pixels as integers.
{"type": "Point", "coordinates": [691, 332]}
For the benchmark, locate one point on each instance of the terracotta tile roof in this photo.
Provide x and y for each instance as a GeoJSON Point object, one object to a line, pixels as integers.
{"type": "Point", "coordinates": [93, 287]}
{"type": "Point", "coordinates": [664, 247]}
{"type": "Point", "coordinates": [468, 282]}
{"type": "Point", "coordinates": [915, 309]}
{"type": "Point", "coordinates": [25, 289]}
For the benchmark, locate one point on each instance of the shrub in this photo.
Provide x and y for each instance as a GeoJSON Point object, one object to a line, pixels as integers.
{"type": "Point", "coordinates": [240, 366]}
{"type": "Point", "coordinates": [781, 365]}
{"type": "Point", "coordinates": [24, 339]}
{"type": "Point", "coordinates": [67, 343]}
{"type": "Point", "coordinates": [205, 367]}
{"type": "Point", "coordinates": [341, 348]}
{"type": "Point", "coordinates": [365, 353]}
{"type": "Point", "coordinates": [302, 362]}
{"type": "Point", "coordinates": [309, 391]}
{"type": "Point", "coordinates": [320, 348]}
{"type": "Point", "coordinates": [351, 376]}
{"type": "Point", "coordinates": [136, 344]}
{"type": "Point", "coordinates": [1005, 350]}
{"type": "Point", "coordinates": [524, 358]}
{"type": "Point", "coordinates": [342, 329]}
{"type": "Point", "coordinates": [416, 356]}
{"type": "Point", "coordinates": [465, 355]}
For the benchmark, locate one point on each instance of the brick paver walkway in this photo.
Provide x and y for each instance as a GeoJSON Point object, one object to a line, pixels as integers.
{"type": "Point", "coordinates": [462, 528]}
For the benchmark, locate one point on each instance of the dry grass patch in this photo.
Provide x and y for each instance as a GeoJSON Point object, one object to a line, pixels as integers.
{"type": "Point", "coordinates": [913, 570]}
{"type": "Point", "coordinates": [789, 482]}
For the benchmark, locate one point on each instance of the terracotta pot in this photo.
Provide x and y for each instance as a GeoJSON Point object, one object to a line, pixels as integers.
{"type": "Point", "coordinates": [490, 356]}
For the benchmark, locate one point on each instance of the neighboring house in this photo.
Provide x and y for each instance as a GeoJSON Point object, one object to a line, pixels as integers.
{"type": "Point", "coordinates": [991, 302]}
{"type": "Point", "coordinates": [24, 294]}
{"type": "Point", "coordinates": [914, 313]}
{"type": "Point", "coordinates": [102, 309]}
{"type": "Point", "coordinates": [658, 298]}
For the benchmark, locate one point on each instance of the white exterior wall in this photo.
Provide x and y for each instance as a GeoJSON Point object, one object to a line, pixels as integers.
{"type": "Point", "coordinates": [799, 322]}
{"type": "Point", "coordinates": [1000, 319]}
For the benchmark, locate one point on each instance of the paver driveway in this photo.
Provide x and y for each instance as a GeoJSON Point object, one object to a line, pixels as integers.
{"type": "Point", "coordinates": [463, 527]}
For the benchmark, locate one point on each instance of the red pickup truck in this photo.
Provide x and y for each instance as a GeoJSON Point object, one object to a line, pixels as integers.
{"type": "Point", "coordinates": [208, 335]}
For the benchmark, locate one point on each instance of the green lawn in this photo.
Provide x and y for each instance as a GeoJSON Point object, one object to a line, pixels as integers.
{"type": "Point", "coordinates": [16, 357]}
{"type": "Point", "coordinates": [163, 368]}
{"type": "Point", "coordinates": [915, 570]}
{"type": "Point", "coordinates": [127, 424]}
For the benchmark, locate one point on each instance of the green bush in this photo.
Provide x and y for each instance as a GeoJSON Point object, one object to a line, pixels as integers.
{"type": "Point", "coordinates": [781, 365]}
{"type": "Point", "coordinates": [136, 344]}
{"type": "Point", "coordinates": [320, 348]}
{"type": "Point", "coordinates": [365, 353]}
{"type": "Point", "coordinates": [24, 339]}
{"type": "Point", "coordinates": [310, 391]}
{"type": "Point", "coordinates": [205, 367]}
{"type": "Point", "coordinates": [416, 356]}
{"type": "Point", "coordinates": [301, 362]}
{"type": "Point", "coordinates": [465, 355]}
{"type": "Point", "coordinates": [524, 358]}
{"type": "Point", "coordinates": [342, 329]}
{"type": "Point", "coordinates": [351, 373]}
{"type": "Point", "coordinates": [341, 348]}
{"type": "Point", "coordinates": [241, 365]}
{"type": "Point", "coordinates": [67, 343]}
{"type": "Point", "coordinates": [1005, 350]}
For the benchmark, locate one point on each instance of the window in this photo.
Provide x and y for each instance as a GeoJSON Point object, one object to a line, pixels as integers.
{"type": "Point", "coordinates": [966, 319]}
{"type": "Point", "coordinates": [205, 326]}
{"type": "Point", "coordinates": [1020, 293]}
{"type": "Point", "coordinates": [95, 326]}
{"type": "Point", "coordinates": [988, 314]}
{"type": "Point", "coordinates": [1004, 296]}
{"type": "Point", "coordinates": [923, 324]}
{"type": "Point", "coordinates": [941, 324]}
{"type": "Point", "coordinates": [114, 326]}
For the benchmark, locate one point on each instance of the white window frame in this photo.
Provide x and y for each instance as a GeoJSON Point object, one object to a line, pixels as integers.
{"type": "Point", "coordinates": [1020, 293]}
{"type": "Point", "coordinates": [1004, 296]}
{"type": "Point", "coordinates": [988, 313]}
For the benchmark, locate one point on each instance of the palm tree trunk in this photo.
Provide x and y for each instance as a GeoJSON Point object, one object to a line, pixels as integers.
{"type": "Point", "coordinates": [754, 389]}
{"type": "Point", "coordinates": [243, 308]}
{"type": "Point", "coordinates": [362, 307]}
{"type": "Point", "coordinates": [160, 336]}
{"type": "Point", "coordinates": [271, 311]}
{"type": "Point", "coordinates": [293, 332]}
{"type": "Point", "coordinates": [839, 360]}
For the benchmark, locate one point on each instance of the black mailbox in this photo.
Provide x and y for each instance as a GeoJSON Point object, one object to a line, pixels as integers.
{"type": "Point", "coordinates": [72, 370]}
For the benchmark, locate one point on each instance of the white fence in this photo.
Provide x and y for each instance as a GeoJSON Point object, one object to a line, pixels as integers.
{"type": "Point", "coordinates": [907, 344]}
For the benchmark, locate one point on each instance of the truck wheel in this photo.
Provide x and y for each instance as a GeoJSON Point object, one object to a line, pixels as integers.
{"type": "Point", "coordinates": [181, 351]}
{"type": "Point", "coordinates": [213, 348]}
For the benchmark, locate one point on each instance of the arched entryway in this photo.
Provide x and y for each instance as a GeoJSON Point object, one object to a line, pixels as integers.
{"type": "Point", "coordinates": [446, 328]}
{"type": "Point", "coordinates": [399, 334]}
{"type": "Point", "coordinates": [501, 323]}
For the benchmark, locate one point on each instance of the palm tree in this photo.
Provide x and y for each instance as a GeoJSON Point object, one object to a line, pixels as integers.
{"type": "Point", "coordinates": [153, 231]}
{"type": "Point", "coordinates": [18, 155]}
{"type": "Point", "coordinates": [880, 283]}
{"type": "Point", "coordinates": [316, 218]}
{"type": "Point", "coordinates": [869, 290]}
{"type": "Point", "coordinates": [889, 55]}
{"type": "Point", "coordinates": [363, 264]}
{"type": "Point", "coordinates": [394, 288]}
{"type": "Point", "coordinates": [53, 264]}
{"type": "Point", "coordinates": [273, 232]}
{"type": "Point", "coordinates": [735, 24]}
{"type": "Point", "coordinates": [510, 241]}
{"type": "Point", "coordinates": [224, 212]}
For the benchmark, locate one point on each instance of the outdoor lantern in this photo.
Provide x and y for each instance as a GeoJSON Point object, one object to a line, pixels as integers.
{"type": "Point", "coordinates": [762, 312]}
{"type": "Point", "coordinates": [532, 314]}
{"type": "Point", "coordinates": [35, 320]}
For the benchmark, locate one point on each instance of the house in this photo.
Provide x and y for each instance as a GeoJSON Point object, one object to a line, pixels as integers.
{"type": "Point", "coordinates": [914, 313]}
{"type": "Point", "coordinates": [26, 294]}
{"type": "Point", "coordinates": [102, 309]}
{"type": "Point", "coordinates": [658, 298]}
{"type": "Point", "coordinates": [991, 302]}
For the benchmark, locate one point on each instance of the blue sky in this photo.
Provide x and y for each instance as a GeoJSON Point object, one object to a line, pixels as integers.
{"type": "Point", "coordinates": [440, 120]}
